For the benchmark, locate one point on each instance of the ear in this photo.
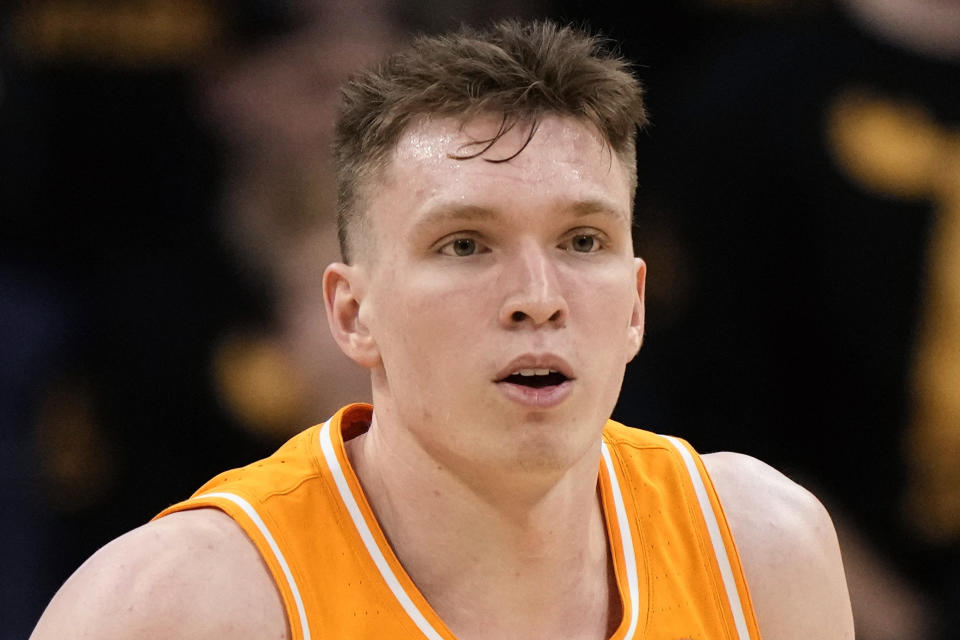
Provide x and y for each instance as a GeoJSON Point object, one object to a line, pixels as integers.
{"type": "Point", "coordinates": [635, 331]}
{"type": "Point", "coordinates": [343, 289]}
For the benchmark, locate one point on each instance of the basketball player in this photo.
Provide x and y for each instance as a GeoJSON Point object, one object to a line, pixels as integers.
{"type": "Point", "coordinates": [489, 286]}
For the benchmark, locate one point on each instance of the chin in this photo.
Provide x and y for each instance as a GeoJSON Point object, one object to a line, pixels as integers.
{"type": "Point", "coordinates": [554, 448]}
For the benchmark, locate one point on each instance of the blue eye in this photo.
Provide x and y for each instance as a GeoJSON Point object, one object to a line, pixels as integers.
{"type": "Point", "coordinates": [584, 243]}
{"type": "Point", "coordinates": [464, 246]}
{"type": "Point", "coordinates": [461, 247]}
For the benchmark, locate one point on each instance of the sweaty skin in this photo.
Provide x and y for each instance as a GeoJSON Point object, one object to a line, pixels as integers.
{"type": "Point", "coordinates": [472, 271]}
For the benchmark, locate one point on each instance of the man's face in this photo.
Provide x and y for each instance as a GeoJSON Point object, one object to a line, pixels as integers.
{"type": "Point", "coordinates": [503, 299]}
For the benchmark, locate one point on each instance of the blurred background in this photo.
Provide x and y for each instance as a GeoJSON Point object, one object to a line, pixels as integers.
{"type": "Point", "coordinates": [167, 211]}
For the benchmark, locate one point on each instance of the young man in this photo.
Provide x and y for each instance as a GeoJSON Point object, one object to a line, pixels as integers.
{"type": "Point", "coordinates": [486, 183]}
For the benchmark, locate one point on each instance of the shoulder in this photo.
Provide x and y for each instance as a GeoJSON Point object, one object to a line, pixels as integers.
{"type": "Point", "coordinates": [191, 575]}
{"type": "Point", "coordinates": [750, 488]}
{"type": "Point", "coordinates": [788, 548]}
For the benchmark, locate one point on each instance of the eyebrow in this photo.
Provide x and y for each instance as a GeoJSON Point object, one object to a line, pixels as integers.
{"type": "Point", "coordinates": [451, 212]}
{"type": "Point", "coordinates": [457, 212]}
{"type": "Point", "coordinates": [591, 206]}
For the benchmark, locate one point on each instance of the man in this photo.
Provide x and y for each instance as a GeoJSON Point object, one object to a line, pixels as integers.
{"type": "Point", "coordinates": [486, 184]}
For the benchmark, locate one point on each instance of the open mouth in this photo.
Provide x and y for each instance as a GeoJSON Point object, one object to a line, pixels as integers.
{"type": "Point", "coordinates": [536, 378]}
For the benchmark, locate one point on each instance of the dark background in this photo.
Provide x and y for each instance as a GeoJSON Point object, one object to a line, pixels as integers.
{"type": "Point", "coordinates": [785, 292]}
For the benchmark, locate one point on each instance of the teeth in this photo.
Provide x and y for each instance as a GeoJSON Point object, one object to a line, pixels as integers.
{"type": "Point", "coordinates": [533, 372]}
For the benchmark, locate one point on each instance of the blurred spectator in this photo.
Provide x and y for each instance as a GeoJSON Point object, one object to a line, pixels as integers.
{"type": "Point", "coordinates": [274, 106]}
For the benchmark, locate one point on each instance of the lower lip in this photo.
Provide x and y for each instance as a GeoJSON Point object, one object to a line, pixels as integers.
{"type": "Point", "coordinates": [542, 398]}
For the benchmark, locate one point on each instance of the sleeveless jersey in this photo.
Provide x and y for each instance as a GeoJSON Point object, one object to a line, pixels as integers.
{"type": "Point", "coordinates": [677, 570]}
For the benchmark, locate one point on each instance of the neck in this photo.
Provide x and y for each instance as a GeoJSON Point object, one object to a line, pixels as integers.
{"type": "Point", "coordinates": [496, 555]}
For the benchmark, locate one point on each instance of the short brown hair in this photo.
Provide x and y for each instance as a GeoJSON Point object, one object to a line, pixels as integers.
{"type": "Point", "coordinates": [520, 71]}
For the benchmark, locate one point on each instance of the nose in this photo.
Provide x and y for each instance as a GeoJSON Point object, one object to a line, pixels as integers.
{"type": "Point", "coordinates": [534, 292]}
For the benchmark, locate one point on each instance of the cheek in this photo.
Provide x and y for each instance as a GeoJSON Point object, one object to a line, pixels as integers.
{"type": "Point", "coordinates": [427, 330]}
{"type": "Point", "coordinates": [608, 307]}
{"type": "Point", "coordinates": [609, 301]}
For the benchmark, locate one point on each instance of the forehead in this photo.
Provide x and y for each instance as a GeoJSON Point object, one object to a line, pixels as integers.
{"type": "Point", "coordinates": [544, 163]}
{"type": "Point", "coordinates": [432, 142]}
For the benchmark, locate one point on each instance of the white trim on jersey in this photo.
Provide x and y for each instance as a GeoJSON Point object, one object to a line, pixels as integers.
{"type": "Point", "coordinates": [626, 543]}
{"type": "Point", "coordinates": [623, 524]}
{"type": "Point", "coordinates": [719, 549]}
{"type": "Point", "coordinates": [262, 526]}
{"type": "Point", "coordinates": [326, 445]}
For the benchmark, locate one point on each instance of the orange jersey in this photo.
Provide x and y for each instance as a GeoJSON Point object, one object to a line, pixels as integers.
{"type": "Point", "coordinates": [676, 566]}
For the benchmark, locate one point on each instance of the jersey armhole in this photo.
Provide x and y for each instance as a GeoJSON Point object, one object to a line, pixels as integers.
{"type": "Point", "coordinates": [721, 538]}
{"type": "Point", "coordinates": [253, 525]}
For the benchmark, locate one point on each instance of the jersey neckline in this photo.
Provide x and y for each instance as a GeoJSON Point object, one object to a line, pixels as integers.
{"type": "Point", "coordinates": [354, 419]}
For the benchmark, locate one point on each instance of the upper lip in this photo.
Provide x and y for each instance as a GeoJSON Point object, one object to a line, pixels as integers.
{"type": "Point", "coordinates": [536, 361]}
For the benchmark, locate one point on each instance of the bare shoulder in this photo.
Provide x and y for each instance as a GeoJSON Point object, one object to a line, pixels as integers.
{"type": "Point", "coordinates": [192, 575]}
{"type": "Point", "coordinates": [789, 550]}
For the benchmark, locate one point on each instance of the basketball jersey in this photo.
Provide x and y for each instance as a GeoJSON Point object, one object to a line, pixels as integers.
{"type": "Point", "coordinates": [677, 570]}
